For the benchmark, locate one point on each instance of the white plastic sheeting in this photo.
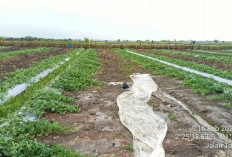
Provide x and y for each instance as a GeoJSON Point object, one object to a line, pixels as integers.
{"type": "Point", "coordinates": [115, 83]}
{"type": "Point", "coordinates": [67, 59]}
{"type": "Point", "coordinates": [19, 88]}
{"type": "Point", "coordinates": [147, 128]}
{"type": "Point", "coordinates": [44, 74]}
{"type": "Point", "coordinates": [219, 79]}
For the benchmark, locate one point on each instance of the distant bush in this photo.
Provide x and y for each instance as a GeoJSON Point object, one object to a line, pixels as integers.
{"type": "Point", "coordinates": [1, 38]}
{"type": "Point", "coordinates": [86, 40]}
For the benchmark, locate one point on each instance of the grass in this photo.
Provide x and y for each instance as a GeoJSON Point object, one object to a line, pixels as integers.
{"type": "Point", "coordinates": [129, 148]}
{"type": "Point", "coordinates": [172, 116]}
{"type": "Point", "coordinates": [12, 54]}
{"type": "Point", "coordinates": [198, 83]}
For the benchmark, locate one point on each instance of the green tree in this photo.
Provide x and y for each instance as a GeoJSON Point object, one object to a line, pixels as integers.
{"type": "Point", "coordinates": [194, 42]}
{"type": "Point", "coordinates": [86, 40]}
{"type": "Point", "coordinates": [1, 38]}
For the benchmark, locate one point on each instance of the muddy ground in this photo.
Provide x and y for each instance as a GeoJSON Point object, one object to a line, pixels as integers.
{"type": "Point", "coordinates": [11, 49]}
{"type": "Point", "coordinates": [100, 132]}
{"type": "Point", "coordinates": [25, 61]}
{"type": "Point", "coordinates": [181, 124]}
{"type": "Point", "coordinates": [209, 53]}
{"type": "Point", "coordinates": [211, 63]}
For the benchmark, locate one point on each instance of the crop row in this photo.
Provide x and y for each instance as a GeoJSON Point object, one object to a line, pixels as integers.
{"type": "Point", "coordinates": [25, 75]}
{"type": "Point", "coordinates": [192, 65]}
{"type": "Point", "coordinates": [75, 76]}
{"type": "Point", "coordinates": [212, 52]}
{"type": "Point", "coordinates": [225, 59]}
{"type": "Point", "coordinates": [21, 134]}
{"type": "Point", "coordinates": [87, 43]}
{"type": "Point", "coordinates": [198, 83]}
{"type": "Point", "coordinates": [4, 47]}
{"type": "Point", "coordinates": [7, 55]}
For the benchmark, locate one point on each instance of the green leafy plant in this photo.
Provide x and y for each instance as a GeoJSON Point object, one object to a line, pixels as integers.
{"type": "Point", "coordinates": [198, 83]}
{"type": "Point", "coordinates": [17, 139]}
{"type": "Point", "coordinates": [172, 116]}
{"type": "Point", "coordinates": [25, 75]}
{"type": "Point", "coordinates": [13, 104]}
{"type": "Point", "coordinates": [129, 148]}
{"type": "Point", "coordinates": [48, 99]}
{"type": "Point", "coordinates": [80, 76]}
{"type": "Point", "coordinates": [193, 65]}
{"type": "Point", "coordinates": [8, 55]}
{"type": "Point", "coordinates": [225, 59]}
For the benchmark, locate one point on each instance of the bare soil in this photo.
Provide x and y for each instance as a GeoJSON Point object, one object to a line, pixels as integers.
{"type": "Point", "coordinates": [183, 124]}
{"type": "Point", "coordinates": [214, 54]}
{"type": "Point", "coordinates": [99, 128]}
{"type": "Point", "coordinates": [11, 49]}
{"type": "Point", "coordinates": [100, 132]}
{"type": "Point", "coordinates": [25, 61]}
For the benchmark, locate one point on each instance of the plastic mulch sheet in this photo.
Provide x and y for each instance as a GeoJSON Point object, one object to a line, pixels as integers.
{"type": "Point", "coordinates": [147, 128]}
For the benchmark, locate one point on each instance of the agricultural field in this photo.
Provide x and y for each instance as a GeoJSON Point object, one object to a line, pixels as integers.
{"type": "Point", "coordinates": [74, 102]}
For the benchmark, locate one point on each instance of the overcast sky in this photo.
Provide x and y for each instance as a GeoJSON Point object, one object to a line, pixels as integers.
{"type": "Point", "coordinates": [118, 19]}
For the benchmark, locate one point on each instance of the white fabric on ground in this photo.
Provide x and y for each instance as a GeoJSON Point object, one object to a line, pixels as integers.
{"type": "Point", "coordinates": [147, 128]}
